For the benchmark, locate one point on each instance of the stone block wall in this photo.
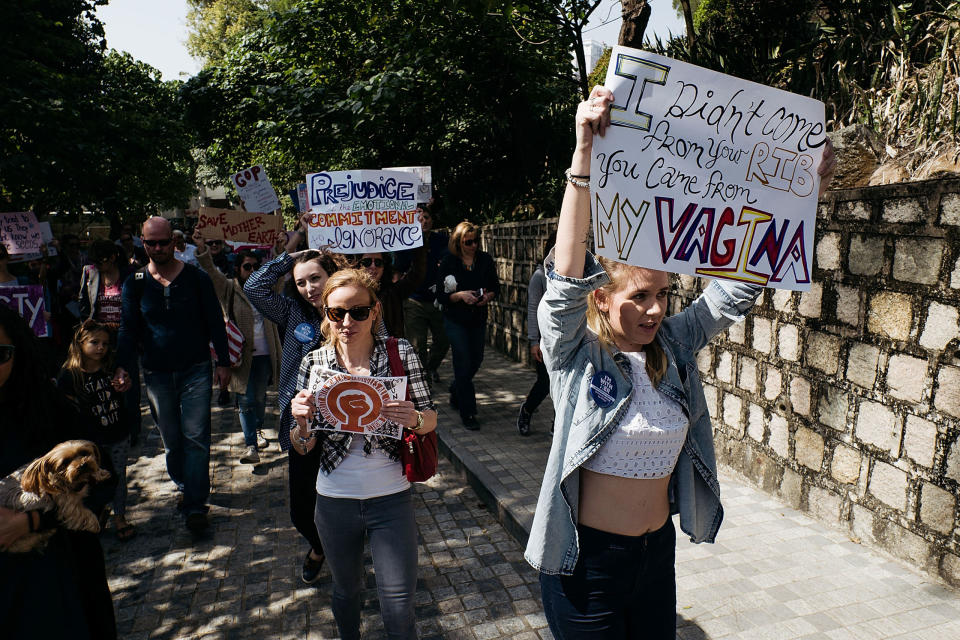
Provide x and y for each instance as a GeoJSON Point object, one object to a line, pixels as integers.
{"type": "Point", "coordinates": [844, 401]}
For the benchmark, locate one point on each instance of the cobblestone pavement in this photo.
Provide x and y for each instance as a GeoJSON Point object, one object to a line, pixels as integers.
{"type": "Point", "coordinates": [242, 580]}
{"type": "Point", "coordinates": [773, 574]}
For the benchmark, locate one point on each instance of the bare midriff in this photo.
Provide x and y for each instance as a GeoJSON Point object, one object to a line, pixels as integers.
{"type": "Point", "coordinates": [625, 506]}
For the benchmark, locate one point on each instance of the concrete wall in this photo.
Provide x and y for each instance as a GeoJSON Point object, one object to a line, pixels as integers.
{"type": "Point", "coordinates": [844, 401]}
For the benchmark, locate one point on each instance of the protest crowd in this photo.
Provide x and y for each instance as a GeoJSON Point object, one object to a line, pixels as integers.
{"type": "Point", "coordinates": [176, 316]}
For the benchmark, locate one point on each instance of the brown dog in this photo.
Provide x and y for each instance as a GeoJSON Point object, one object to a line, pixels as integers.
{"type": "Point", "coordinates": [57, 481]}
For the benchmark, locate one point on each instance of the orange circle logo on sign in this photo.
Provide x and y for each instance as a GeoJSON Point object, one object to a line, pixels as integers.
{"type": "Point", "coordinates": [353, 404]}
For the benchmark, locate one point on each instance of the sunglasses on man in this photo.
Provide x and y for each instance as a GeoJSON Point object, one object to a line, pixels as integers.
{"type": "Point", "coordinates": [158, 243]}
{"type": "Point", "coordinates": [213, 243]}
{"type": "Point", "coordinates": [249, 266]}
{"type": "Point", "coordinates": [366, 262]}
{"type": "Point", "coordinates": [6, 353]}
{"type": "Point", "coordinates": [337, 314]}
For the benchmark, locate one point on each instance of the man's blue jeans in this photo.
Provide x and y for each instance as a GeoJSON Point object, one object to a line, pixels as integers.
{"type": "Point", "coordinates": [181, 402]}
{"type": "Point", "coordinates": [467, 343]}
{"type": "Point", "coordinates": [253, 403]}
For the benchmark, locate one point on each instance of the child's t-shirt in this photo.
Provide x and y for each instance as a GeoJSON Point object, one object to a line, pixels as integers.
{"type": "Point", "coordinates": [100, 406]}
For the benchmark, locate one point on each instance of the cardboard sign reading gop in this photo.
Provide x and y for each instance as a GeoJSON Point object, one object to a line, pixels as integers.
{"type": "Point", "coordinates": [363, 211]}
{"type": "Point", "coordinates": [254, 188]}
{"type": "Point", "coordinates": [353, 403]}
{"type": "Point", "coordinates": [706, 174]}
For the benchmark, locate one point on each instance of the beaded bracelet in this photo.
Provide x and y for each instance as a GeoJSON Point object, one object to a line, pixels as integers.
{"type": "Point", "coordinates": [577, 181]}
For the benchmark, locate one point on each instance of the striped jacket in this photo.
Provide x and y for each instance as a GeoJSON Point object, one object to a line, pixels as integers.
{"type": "Point", "coordinates": [301, 327]}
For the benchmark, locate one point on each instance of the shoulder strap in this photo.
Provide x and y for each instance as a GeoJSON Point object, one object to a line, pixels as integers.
{"type": "Point", "coordinates": [393, 354]}
{"type": "Point", "coordinates": [139, 282]}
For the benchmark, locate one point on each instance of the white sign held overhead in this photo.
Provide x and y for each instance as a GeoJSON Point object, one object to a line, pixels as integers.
{"type": "Point", "coordinates": [254, 188]}
{"type": "Point", "coordinates": [706, 174]}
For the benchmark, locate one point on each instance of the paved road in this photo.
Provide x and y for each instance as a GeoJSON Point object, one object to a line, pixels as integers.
{"type": "Point", "coordinates": [242, 581]}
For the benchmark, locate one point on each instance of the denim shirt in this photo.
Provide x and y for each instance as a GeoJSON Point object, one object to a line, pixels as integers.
{"type": "Point", "coordinates": [573, 354]}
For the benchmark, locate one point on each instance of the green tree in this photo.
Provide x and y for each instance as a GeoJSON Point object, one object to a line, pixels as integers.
{"type": "Point", "coordinates": [324, 85]}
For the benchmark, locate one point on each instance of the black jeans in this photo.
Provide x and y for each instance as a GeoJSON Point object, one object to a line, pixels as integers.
{"type": "Point", "coordinates": [467, 342]}
{"type": "Point", "coordinates": [303, 495]}
{"type": "Point", "coordinates": [539, 390]}
{"type": "Point", "coordinates": [622, 587]}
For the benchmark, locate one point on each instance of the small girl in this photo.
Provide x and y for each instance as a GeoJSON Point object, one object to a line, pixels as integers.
{"type": "Point", "coordinates": [87, 381]}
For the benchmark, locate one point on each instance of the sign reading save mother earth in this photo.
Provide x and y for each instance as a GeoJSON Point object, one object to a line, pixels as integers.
{"type": "Point", "coordinates": [363, 211]}
{"type": "Point", "coordinates": [706, 174]}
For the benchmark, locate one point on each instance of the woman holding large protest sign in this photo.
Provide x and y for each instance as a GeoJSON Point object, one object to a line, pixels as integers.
{"type": "Point", "coordinates": [633, 442]}
{"type": "Point", "coordinates": [62, 591]}
{"type": "Point", "coordinates": [466, 283]}
{"type": "Point", "coordinates": [361, 486]}
{"type": "Point", "coordinates": [297, 312]}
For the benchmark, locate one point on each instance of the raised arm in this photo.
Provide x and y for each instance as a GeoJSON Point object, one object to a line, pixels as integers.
{"type": "Point", "coordinates": [205, 260]}
{"type": "Point", "coordinates": [593, 117]}
{"type": "Point", "coordinates": [260, 289]}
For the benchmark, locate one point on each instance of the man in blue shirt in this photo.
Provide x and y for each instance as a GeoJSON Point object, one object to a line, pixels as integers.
{"type": "Point", "coordinates": [170, 316]}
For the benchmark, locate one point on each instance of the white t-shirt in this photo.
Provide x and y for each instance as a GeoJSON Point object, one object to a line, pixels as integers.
{"type": "Point", "coordinates": [362, 476]}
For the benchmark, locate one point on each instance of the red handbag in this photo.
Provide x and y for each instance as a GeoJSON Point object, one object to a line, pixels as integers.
{"type": "Point", "coordinates": [418, 453]}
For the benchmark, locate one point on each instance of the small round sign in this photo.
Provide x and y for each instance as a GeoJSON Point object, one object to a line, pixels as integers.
{"type": "Point", "coordinates": [603, 389]}
{"type": "Point", "coordinates": [304, 332]}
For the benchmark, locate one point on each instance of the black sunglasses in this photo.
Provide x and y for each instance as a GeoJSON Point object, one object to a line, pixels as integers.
{"type": "Point", "coordinates": [210, 243]}
{"type": "Point", "coordinates": [158, 243]}
{"type": "Point", "coordinates": [6, 352]}
{"type": "Point", "coordinates": [249, 266]}
{"type": "Point", "coordinates": [469, 242]}
{"type": "Point", "coordinates": [366, 262]}
{"type": "Point", "coordinates": [337, 314]}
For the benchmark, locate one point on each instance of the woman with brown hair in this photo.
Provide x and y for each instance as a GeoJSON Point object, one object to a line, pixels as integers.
{"type": "Point", "coordinates": [361, 488]}
{"type": "Point", "coordinates": [466, 282]}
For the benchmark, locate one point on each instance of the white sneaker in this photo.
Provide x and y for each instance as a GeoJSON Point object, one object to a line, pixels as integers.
{"type": "Point", "coordinates": [252, 456]}
{"type": "Point", "coordinates": [262, 442]}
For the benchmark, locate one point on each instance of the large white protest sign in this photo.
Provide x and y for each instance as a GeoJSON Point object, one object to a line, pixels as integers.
{"type": "Point", "coordinates": [354, 404]}
{"type": "Point", "coordinates": [20, 232]}
{"type": "Point", "coordinates": [706, 174]}
{"type": "Point", "coordinates": [425, 174]}
{"type": "Point", "coordinates": [254, 188]}
{"type": "Point", "coordinates": [363, 211]}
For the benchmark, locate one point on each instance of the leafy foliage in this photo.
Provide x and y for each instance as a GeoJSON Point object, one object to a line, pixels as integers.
{"type": "Point", "coordinates": [327, 85]}
{"type": "Point", "coordinates": [80, 128]}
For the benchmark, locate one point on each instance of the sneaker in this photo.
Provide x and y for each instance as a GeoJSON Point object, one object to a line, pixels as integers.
{"type": "Point", "coordinates": [262, 442]}
{"type": "Point", "coordinates": [311, 568]}
{"type": "Point", "coordinates": [197, 522]}
{"type": "Point", "coordinates": [523, 420]}
{"type": "Point", "coordinates": [251, 456]}
{"type": "Point", "coordinates": [470, 423]}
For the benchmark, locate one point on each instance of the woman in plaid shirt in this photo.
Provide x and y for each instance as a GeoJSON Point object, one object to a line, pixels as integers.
{"type": "Point", "coordinates": [361, 487]}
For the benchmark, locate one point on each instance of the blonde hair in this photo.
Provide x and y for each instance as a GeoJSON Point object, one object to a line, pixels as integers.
{"type": "Point", "coordinates": [347, 278]}
{"type": "Point", "coordinates": [599, 321]}
{"type": "Point", "coordinates": [74, 362]}
{"type": "Point", "coordinates": [459, 231]}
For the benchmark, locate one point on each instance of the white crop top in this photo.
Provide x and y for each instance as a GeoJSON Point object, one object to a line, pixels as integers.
{"type": "Point", "coordinates": [648, 440]}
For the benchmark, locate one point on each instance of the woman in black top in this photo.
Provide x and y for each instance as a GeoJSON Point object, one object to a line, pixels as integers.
{"type": "Point", "coordinates": [62, 592]}
{"type": "Point", "coordinates": [467, 281]}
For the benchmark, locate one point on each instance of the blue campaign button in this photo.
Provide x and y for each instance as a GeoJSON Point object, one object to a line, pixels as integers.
{"type": "Point", "coordinates": [304, 332]}
{"type": "Point", "coordinates": [603, 389]}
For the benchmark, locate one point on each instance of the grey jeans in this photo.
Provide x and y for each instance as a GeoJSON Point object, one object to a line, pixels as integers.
{"type": "Point", "coordinates": [390, 523]}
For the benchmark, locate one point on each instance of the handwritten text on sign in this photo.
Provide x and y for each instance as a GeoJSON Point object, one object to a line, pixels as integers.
{"type": "Point", "coordinates": [254, 188]}
{"type": "Point", "coordinates": [354, 403]}
{"type": "Point", "coordinates": [363, 211]}
{"type": "Point", "coordinates": [27, 300]}
{"type": "Point", "coordinates": [706, 174]}
{"type": "Point", "coordinates": [238, 226]}
{"type": "Point", "coordinates": [20, 232]}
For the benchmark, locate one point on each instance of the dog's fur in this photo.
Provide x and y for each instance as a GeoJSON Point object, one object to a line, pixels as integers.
{"type": "Point", "coordinates": [57, 481]}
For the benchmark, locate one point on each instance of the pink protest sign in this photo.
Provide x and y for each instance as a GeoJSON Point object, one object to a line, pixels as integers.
{"type": "Point", "coordinates": [27, 300]}
{"type": "Point", "coordinates": [20, 232]}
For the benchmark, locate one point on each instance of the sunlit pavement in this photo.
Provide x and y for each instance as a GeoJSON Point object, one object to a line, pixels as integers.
{"type": "Point", "coordinates": [773, 574]}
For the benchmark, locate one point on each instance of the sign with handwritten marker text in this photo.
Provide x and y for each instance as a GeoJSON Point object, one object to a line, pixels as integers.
{"type": "Point", "coordinates": [353, 404]}
{"type": "Point", "coordinates": [254, 188]}
{"type": "Point", "coordinates": [363, 211]}
{"type": "Point", "coordinates": [27, 300]}
{"type": "Point", "coordinates": [243, 227]}
{"type": "Point", "coordinates": [425, 173]}
{"type": "Point", "coordinates": [20, 233]}
{"type": "Point", "coordinates": [706, 174]}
